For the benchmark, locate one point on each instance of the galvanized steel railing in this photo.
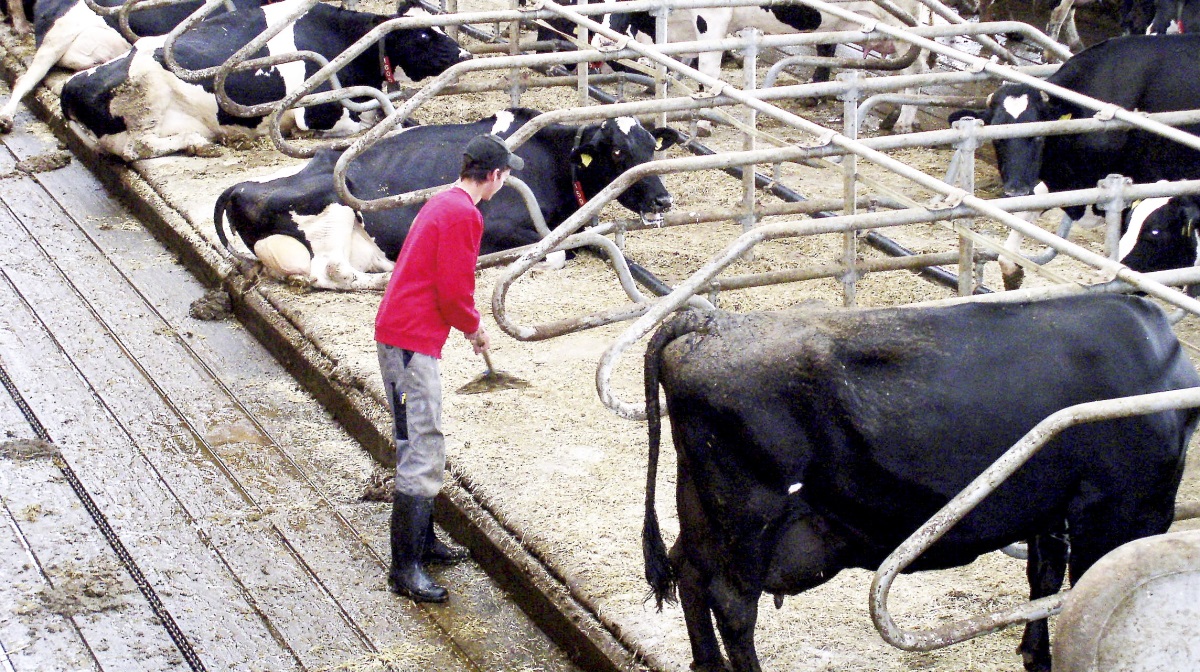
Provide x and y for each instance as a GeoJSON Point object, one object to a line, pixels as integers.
{"type": "Point", "coordinates": [983, 485]}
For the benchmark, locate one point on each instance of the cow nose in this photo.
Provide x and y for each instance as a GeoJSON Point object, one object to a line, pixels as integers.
{"type": "Point", "coordinates": [662, 203]}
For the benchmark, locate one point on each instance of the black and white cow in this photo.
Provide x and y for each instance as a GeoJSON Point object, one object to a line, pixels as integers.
{"type": "Point", "coordinates": [1146, 73]}
{"type": "Point", "coordinates": [71, 35]}
{"type": "Point", "coordinates": [137, 109]}
{"type": "Point", "coordinates": [298, 228]}
{"type": "Point", "coordinates": [1175, 16]}
{"type": "Point", "coordinates": [717, 23]}
{"type": "Point", "coordinates": [1161, 234]}
{"type": "Point", "coordinates": [818, 439]}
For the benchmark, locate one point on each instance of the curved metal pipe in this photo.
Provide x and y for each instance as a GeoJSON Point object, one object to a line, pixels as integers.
{"type": "Point", "coordinates": [962, 504]}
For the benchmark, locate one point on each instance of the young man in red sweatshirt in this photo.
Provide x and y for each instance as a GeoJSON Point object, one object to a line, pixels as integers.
{"type": "Point", "coordinates": [432, 290]}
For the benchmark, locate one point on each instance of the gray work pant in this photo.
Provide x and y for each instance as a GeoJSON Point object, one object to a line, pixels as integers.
{"type": "Point", "coordinates": [413, 386]}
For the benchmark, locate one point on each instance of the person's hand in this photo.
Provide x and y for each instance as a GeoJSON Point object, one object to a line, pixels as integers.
{"type": "Point", "coordinates": [479, 340]}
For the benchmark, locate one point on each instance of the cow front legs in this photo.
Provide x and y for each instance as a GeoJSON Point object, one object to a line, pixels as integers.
{"type": "Point", "coordinates": [1046, 569]}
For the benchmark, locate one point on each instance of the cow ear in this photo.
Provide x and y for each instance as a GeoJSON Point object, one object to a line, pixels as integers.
{"type": "Point", "coordinates": [583, 156]}
{"type": "Point", "coordinates": [665, 137]}
{"type": "Point", "coordinates": [402, 6]}
{"type": "Point", "coordinates": [984, 115]}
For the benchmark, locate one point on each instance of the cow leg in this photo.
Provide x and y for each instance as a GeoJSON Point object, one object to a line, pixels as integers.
{"type": "Point", "coordinates": [46, 56]}
{"type": "Point", "coordinates": [693, 591]}
{"type": "Point", "coordinates": [736, 613]}
{"type": "Point", "coordinates": [1010, 271]}
{"type": "Point", "coordinates": [821, 74]}
{"type": "Point", "coordinates": [332, 237]}
{"type": "Point", "coordinates": [16, 11]}
{"type": "Point", "coordinates": [907, 121]}
{"type": "Point", "coordinates": [285, 258]}
{"type": "Point", "coordinates": [1046, 569]}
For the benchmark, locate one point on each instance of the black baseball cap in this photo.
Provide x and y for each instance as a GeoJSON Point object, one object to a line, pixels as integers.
{"type": "Point", "coordinates": [491, 151]}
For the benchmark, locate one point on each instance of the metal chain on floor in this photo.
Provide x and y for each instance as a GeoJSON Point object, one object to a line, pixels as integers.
{"type": "Point", "coordinates": [135, 572]}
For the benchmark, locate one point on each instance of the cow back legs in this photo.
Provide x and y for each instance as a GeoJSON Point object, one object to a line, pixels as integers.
{"type": "Point", "coordinates": [337, 245]}
{"type": "Point", "coordinates": [736, 613]}
{"type": "Point", "coordinates": [73, 41]}
{"type": "Point", "coordinates": [1046, 570]}
{"type": "Point", "coordinates": [693, 597]}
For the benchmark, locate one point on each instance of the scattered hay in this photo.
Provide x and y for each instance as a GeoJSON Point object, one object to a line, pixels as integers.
{"type": "Point", "coordinates": [379, 489]}
{"type": "Point", "coordinates": [46, 162]}
{"type": "Point", "coordinates": [28, 449]}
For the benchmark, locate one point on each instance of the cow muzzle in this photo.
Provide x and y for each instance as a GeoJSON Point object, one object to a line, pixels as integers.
{"type": "Point", "coordinates": [653, 215]}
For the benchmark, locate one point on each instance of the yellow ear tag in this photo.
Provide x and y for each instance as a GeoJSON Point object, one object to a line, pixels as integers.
{"type": "Point", "coordinates": [1065, 117]}
{"type": "Point", "coordinates": [585, 159]}
{"type": "Point", "coordinates": [658, 143]}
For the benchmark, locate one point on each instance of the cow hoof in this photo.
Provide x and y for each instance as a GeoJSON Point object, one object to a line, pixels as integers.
{"type": "Point", "coordinates": [207, 151]}
{"type": "Point", "coordinates": [1013, 280]}
{"type": "Point", "coordinates": [300, 281]}
{"type": "Point", "coordinates": [6, 124]}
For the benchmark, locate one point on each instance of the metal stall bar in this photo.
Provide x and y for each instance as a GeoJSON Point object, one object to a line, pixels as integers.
{"type": "Point", "coordinates": [123, 10]}
{"type": "Point", "coordinates": [958, 507]}
{"type": "Point", "coordinates": [962, 205]}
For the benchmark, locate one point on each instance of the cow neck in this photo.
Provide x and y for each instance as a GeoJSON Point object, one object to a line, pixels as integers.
{"type": "Point", "coordinates": [576, 185]}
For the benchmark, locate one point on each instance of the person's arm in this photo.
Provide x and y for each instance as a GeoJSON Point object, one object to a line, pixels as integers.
{"type": "Point", "coordinates": [457, 252]}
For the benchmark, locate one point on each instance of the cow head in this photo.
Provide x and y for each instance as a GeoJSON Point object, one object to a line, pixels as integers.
{"type": "Point", "coordinates": [1162, 234]}
{"type": "Point", "coordinates": [607, 150]}
{"type": "Point", "coordinates": [1019, 159]}
{"type": "Point", "coordinates": [421, 52]}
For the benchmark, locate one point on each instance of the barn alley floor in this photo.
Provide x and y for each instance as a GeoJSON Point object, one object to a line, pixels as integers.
{"type": "Point", "coordinates": [210, 466]}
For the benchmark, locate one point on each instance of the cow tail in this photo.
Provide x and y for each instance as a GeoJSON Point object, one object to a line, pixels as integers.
{"type": "Point", "coordinates": [659, 573]}
{"type": "Point", "coordinates": [219, 212]}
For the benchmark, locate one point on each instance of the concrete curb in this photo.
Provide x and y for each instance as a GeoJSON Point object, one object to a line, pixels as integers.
{"type": "Point", "coordinates": [546, 599]}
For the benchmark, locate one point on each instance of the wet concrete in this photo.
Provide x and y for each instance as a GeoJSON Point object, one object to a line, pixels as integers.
{"type": "Point", "coordinates": [213, 467]}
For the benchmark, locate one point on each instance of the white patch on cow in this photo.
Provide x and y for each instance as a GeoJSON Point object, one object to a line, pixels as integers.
{"type": "Point", "coordinates": [345, 126]}
{"type": "Point", "coordinates": [504, 120]}
{"type": "Point", "coordinates": [285, 43]}
{"type": "Point", "coordinates": [555, 261]}
{"type": "Point", "coordinates": [77, 40]}
{"type": "Point", "coordinates": [343, 255]}
{"type": "Point", "coordinates": [163, 114]}
{"type": "Point", "coordinates": [794, 488]}
{"type": "Point", "coordinates": [1136, 219]}
{"type": "Point", "coordinates": [626, 124]}
{"type": "Point", "coordinates": [91, 42]}
{"type": "Point", "coordinates": [1015, 106]}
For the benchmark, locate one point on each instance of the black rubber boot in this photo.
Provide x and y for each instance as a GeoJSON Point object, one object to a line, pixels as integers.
{"type": "Point", "coordinates": [438, 552]}
{"type": "Point", "coordinates": [411, 518]}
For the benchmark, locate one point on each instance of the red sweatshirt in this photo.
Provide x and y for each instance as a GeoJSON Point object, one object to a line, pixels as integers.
{"type": "Point", "coordinates": [433, 286]}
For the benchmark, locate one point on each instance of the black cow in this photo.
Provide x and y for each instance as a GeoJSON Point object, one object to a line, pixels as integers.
{"type": "Point", "coordinates": [70, 34]}
{"type": "Point", "coordinates": [1145, 73]}
{"type": "Point", "coordinates": [1161, 234]}
{"type": "Point", "coordinates": [137, 109]}
{"type": "Point", "coordinates": [817, 439]}
{"type": "Point", "coordinates": [297, 226]}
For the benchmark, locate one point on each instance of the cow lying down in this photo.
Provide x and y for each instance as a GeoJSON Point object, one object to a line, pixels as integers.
{"type": "Point", "coordinates": [818, 439]}
{"type": "Point", "coordinates": [68, 33]}
{"type": "Point", "coordinates": [137, 109]}
{"type": "Point", "coordinates": [299, 230]}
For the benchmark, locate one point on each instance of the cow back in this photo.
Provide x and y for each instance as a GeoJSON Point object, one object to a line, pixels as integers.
{"type": "Point", "coordinates": [879, 417]}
